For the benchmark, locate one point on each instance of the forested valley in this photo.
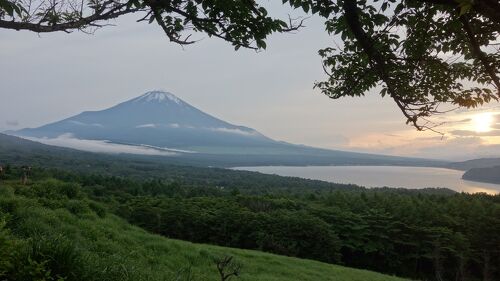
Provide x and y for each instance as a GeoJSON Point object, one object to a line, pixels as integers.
{"type": "Point", "coordinates": [428, 234]}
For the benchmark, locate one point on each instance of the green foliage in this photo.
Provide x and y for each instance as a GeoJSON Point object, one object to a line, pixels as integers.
{"type": "Point", "coordinates": [32, 259]}
{"type": "Point", "coordinates": [417, 234]}
{"type": "Point", "coordinates": [10, 8]}
{"type": "Point", "coordinates": [418, 53]}
{"type": "Point", "coordinates": [8, 248]}
{"type": "Point", "coordinates": [242, 23]}
{"type": "Point", "coordinates": [430, 234]}
{"type": "Point", "coordinates": [52, 243]}
{"type": "Point", "coordinates": [99, 209]}
{"type": "Point", "coordinates": [53, 189]}
{"type": "Point", "coordinates": [57, 256]}
{"type": "Point", "coordinates": [36, 271]}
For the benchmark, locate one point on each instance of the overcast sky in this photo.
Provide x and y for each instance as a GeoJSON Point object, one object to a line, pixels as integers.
{"type": "Point", "coordinates": [47, 77]}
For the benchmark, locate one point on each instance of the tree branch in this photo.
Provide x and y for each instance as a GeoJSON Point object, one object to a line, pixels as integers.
{"type": "Point", "coordinates": [480, 55]}
{"type": "Point", "coordinates": [487, 8]}
{"type": "Point", "coordinates": [81, 23]}
{"type": "Point", "coordinates": [172, 36]}
{"type": "Point", "coordinates": [377, 61]}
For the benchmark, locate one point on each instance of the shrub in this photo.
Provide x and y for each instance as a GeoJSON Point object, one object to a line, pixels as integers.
{"type": "Point", "coordinates": [6, 191]}
{"type": "Point", "coordinates": [56, 257]}
{"type": "Point", "coordinates": [77, 207]}
{"type": "Point", "coordinates": [8, 205]}
{"type": "Point", "coordinates": [7, 249]}
{"type": "Point", "coordinates": [54, 189]}
{"type": "Point", "coordinates": [98, 209]}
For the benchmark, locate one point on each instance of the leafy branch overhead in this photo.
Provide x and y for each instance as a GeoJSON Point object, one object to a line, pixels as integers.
{"type": "Point", "coordinates": [421, 53]}
{"type": "Point", "coordinates": [243, 23]}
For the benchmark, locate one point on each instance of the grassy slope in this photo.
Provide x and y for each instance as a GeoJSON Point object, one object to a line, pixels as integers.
{"type": "Point", "coordinates": [129, 253]}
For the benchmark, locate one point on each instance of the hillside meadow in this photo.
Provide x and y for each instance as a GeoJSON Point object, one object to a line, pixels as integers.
{"type": "Point", "coordinates": [65, 236]}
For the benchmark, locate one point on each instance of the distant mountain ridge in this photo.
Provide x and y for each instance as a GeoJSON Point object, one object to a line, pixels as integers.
{"type": "Point", "coordinates": [485, 174]}
{"type": "Point", "coordinates": [160, 120]}
{"type": "Point", "coordinates": [475, 163]}
{"type": "Point", "coordinates": [156, 118]}
{"type": "Point", "coordinates": [481, 170]}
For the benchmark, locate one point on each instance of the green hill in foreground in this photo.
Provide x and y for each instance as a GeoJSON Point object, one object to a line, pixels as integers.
{"type": "Point", "coordinates": [50, 231]}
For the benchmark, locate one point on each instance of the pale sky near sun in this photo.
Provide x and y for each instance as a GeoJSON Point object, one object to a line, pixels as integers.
{"type": "Point", "coordinates": [47, 77]}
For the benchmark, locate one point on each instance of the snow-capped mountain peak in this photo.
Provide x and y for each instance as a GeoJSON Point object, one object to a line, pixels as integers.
{"type": "Point", "coordinates": [156, 118]}
{"type": "Point", "coordinates": [158, 96]}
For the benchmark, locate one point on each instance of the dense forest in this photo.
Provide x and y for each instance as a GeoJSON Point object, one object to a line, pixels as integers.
{"type": "Point", "coordinates": [51, 231]}
{"type": "Point", "coordinates": [426, 234]}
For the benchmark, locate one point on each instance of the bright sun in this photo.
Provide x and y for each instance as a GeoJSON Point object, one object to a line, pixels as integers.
{"type": "Point", "coordinates": [482, 122]}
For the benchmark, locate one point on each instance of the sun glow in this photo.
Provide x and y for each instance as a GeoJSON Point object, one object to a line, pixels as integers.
{"type": "Point", "coordinates": [482, 122]}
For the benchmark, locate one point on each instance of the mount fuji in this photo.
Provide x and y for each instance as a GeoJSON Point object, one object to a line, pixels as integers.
{"type": "Point", "coordinates": [160, 120]}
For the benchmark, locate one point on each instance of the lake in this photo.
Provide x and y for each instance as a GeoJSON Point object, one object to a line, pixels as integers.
{"type": "Point", "coordinates": [382, 176]}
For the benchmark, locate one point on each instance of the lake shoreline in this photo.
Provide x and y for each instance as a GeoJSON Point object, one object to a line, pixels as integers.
{"type": "Point", "coordinates": [392, 176]}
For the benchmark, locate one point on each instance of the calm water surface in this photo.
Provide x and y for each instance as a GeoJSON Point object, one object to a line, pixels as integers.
{"type": "Point", "coordinates": [383, 176]}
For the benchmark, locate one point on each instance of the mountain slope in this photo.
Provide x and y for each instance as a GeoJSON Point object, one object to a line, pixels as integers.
{"type": "Point", "coordinates": [161, 121]}
{"type": "Point", "coordinates": [72, 238]}
{"type": "Point", "coordinates": [485, 174]}
{"type": "Point", "coordinates": [155, 118]}
{"type": "Point", "coordinates": [485, 170]}
{"type": "Point", "coordinates": [17, 151]}
{"type": "Point", "coordinates": [475, 163]}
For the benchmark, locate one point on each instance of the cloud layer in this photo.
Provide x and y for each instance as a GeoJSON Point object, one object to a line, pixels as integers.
{"type": "Point", "coordinates": [67, 140]}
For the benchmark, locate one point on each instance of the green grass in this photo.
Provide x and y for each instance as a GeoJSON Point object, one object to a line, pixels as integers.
{"type": "Point", "coordinates": [108, 248]}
